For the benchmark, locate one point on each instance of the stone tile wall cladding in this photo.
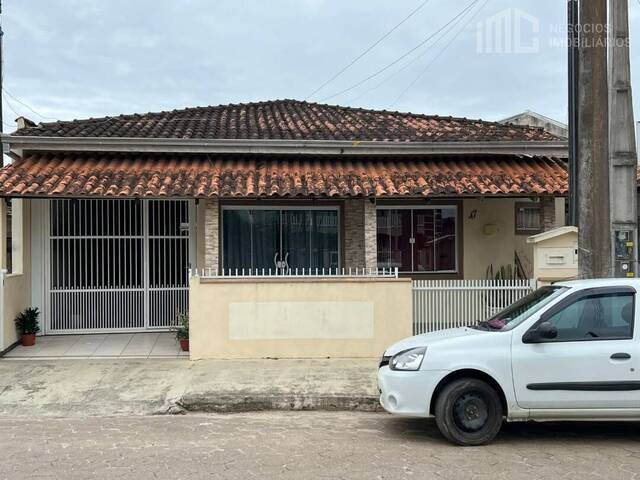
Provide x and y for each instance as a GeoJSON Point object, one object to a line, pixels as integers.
{"type": "Point", "coordinates": [359, 234]}
{"type": "Point", "coordinates": [360, 249]}
{"type": "Point", "coordinates": [548, 213]}
{"type": "Point", "coordinates": [211, 235]}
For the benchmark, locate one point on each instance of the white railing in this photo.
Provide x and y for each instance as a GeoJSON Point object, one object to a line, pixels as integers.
{"type": "Point", "coordinates": [296, 273]}
{"type": "Point", "coordinates": [440, 304]}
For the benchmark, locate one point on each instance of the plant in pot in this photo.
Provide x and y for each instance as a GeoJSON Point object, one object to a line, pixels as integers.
{"type": "Point", "coordinates": [182, 331]}
{"type": "Point", "coordinates": [27, 323]}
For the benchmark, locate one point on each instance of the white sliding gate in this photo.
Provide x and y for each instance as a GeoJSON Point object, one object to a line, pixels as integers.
{"type": "Point", "coordinates": [116, 265]}
{"type": "Point", "coordinates": [440, 304]}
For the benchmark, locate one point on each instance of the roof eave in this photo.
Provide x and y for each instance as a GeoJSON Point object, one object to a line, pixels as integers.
{"type": "Point", "coordinates": [18, 144]}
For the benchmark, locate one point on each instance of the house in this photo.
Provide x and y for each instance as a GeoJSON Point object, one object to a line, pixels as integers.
{"type": "Point", "coordinates": [533, 119]}
{"type": "Point", "coordinates": [110, 214]}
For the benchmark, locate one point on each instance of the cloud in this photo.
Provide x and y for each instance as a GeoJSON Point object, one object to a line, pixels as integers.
{"type": "Point", "coordinates": [80, 58]}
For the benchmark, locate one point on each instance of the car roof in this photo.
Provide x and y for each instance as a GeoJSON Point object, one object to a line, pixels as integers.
{"type": "Point", "coordinates": [601, 282]}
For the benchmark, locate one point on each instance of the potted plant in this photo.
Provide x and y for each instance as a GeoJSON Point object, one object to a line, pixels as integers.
{"type": "Point", "coordinates": [27, 323]}
{"type": "Point", "coordinates": [182, 331]}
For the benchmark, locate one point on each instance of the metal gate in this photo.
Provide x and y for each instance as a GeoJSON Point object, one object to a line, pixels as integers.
{"type": "Point", "coordinates": [116, 265]}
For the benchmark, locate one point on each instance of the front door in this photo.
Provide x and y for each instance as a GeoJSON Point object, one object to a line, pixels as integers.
{"type": "Point", "coordinates": [276, 241]}
{"type": "Point", "coordinates": [594, 361]}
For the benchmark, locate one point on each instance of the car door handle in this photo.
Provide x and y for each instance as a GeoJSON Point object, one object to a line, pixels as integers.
{"type": "Point", "coordinates": [620, 356]}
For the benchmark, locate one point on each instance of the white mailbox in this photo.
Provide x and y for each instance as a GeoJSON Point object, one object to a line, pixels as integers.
{"type": "Point", "coordinates": [555, 254]}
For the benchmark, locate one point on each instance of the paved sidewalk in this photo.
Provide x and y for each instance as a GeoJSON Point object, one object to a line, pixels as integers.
{"type": "Point", "coordinates": [104, 345]}
{"type": "Point", "coordinates": [89, 387]}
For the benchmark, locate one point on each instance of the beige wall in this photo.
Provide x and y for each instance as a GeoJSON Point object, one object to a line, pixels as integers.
{"type": "Point", "coordinates": [297, 319]}
{"type": "Point", "coordinates": [489, 236]}
{"type": "Point", "coordinates": [17, 286]}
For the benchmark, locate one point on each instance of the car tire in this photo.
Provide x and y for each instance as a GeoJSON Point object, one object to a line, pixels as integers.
{"type": "Point", "coordinates": [469, 412]}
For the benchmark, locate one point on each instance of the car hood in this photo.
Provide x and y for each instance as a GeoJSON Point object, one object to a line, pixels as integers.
{"type": "Point", "coordinates": [427, 339]}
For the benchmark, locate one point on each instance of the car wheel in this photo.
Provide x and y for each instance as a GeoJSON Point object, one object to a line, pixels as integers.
{"type": "Point", "coordinates": [469, 412]}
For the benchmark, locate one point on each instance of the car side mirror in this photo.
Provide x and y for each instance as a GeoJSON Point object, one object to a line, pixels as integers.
{"type": "Point", "coordinates": [544, 331]}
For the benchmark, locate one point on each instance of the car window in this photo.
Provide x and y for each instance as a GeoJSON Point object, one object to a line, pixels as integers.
{"type": "Point", "coordinates": [519, 311]}
{"type": "Point", "coordinates": [596, 317]}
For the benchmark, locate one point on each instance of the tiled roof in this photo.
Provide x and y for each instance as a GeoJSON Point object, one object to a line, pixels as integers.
{"type": "Point", "coordinates": [290, 120]}
{"type": "Point", "coordinates": [160, 175]}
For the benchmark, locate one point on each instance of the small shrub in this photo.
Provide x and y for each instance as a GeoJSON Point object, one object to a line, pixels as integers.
{"type": "Point", "coordinates": [27, 321]}
{"type": "Point", "coordinates": [182, 330]}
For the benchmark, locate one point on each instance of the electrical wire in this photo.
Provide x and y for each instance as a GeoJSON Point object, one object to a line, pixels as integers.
{"type": "Point", "coordinates": [26, 105]}
{"type": "Point", "coordinates": [406, 65]}
{"type": "Point", "coordinates": [434, 59]}
{"type": "Point", "coordinates": [368, 49]}
{"type": "Point", "coordinates": [403, 56]}
{"type": "Point", "coordinates": [11, 106]}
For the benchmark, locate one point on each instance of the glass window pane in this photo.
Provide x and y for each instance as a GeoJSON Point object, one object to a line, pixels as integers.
{"type": "Point", "coordinates": [265, 238]}
{"type": "Point", "coordinates": [324, 239]}
{"type": "Point", "coordinates": [596, 317]}
{"type": "Point", "coordinates": [435, 234]}
{"type": "Point", "coordinates": [445, 239]}
{"type": "Point", "coordinates": [296, 238]}
{"type": "Point", "coordinates": [424, 248]}
{"type": "Point", "coordinates": [236, 225]}
{"type": "Point", "coordinates": [393, 237]}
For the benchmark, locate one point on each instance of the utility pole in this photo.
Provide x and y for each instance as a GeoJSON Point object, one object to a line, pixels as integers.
{"type": "Point", "coordinates": [622, 146]}
{"type": "Point", "coordinates": [573, 39]}
{"type": "Point", "coordinates": [1, 72]}
{"type": "Point", "coordinates": [594, 234]}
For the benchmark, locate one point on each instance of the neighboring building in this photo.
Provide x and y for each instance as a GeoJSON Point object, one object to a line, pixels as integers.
{"type": "Point", "coordinates": [534, 119]}
{"type": "Point", "coordinates": [116, 210]}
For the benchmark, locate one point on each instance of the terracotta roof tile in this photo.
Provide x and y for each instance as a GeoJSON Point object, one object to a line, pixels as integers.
{"type": "Point", "coordinates": [161, 175]}
{"type": "Point", "coordinates": [292, 120]}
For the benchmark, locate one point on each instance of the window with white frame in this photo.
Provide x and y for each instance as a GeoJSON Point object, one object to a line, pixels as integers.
{"type": "Point", "coordinates": [528, 218]}
{"type": "Point", "coordinates": [418, 240]}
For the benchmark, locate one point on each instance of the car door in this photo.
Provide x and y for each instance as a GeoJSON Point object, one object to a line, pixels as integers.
{"type": "Point", "coordinates": [592, 363]}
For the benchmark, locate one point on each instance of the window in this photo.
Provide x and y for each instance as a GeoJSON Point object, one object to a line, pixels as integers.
{"type": "Point", "coordinates": [515, 314]}
{"type": "Point", "coordinates": [273, 238]}
{"type": "Point", "coordinates": [596, 317]}
{"type": "Point", "coordinates": [528, 218]}
{"type": "Point", "coordinates": [419, 240]}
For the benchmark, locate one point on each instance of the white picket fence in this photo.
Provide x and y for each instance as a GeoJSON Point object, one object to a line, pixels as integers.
{"type": "Point", "coordinates": [440, 304]}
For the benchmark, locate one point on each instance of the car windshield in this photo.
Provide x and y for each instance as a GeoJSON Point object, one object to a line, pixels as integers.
{"type": "Point", "coordinates": [516, 313]}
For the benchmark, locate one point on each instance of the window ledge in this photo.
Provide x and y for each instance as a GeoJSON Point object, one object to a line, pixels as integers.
{"type": "Point", "coordinates": [13, 275]}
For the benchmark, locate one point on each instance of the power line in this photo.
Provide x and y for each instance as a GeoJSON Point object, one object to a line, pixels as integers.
{"type": "Point", "coordinates": [26, 105]}
{"type": "Point", "coordinates": [406, 65]}
{"type": "Point", "coordinates": [433, 60]}
{"type": "Point", "coordinates": [406, 54]}
{"type": "Point", "coordinates": [11, 107]}
{"type": "Point", "coordinates": [371, 47]}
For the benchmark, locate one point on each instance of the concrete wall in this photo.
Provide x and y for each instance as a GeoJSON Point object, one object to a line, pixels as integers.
{"type": "Point", "coordinates": [17, 285]}
{"type": "Point", "coordinates": [297, 319]}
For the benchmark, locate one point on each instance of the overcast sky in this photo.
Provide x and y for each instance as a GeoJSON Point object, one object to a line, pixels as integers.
{"type": "Point", "coordinates": [86, 58]}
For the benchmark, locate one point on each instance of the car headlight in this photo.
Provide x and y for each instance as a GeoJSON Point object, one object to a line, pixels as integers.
{"type": "Point", "coordinates": [408, 359]}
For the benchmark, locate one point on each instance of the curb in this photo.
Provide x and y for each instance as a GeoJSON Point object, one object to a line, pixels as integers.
{"type": "Point", "coordinates": [258, 403]}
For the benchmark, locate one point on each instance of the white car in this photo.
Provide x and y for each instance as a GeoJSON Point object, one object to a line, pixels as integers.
{"type": "Point", "coordinates": [570, 351]}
